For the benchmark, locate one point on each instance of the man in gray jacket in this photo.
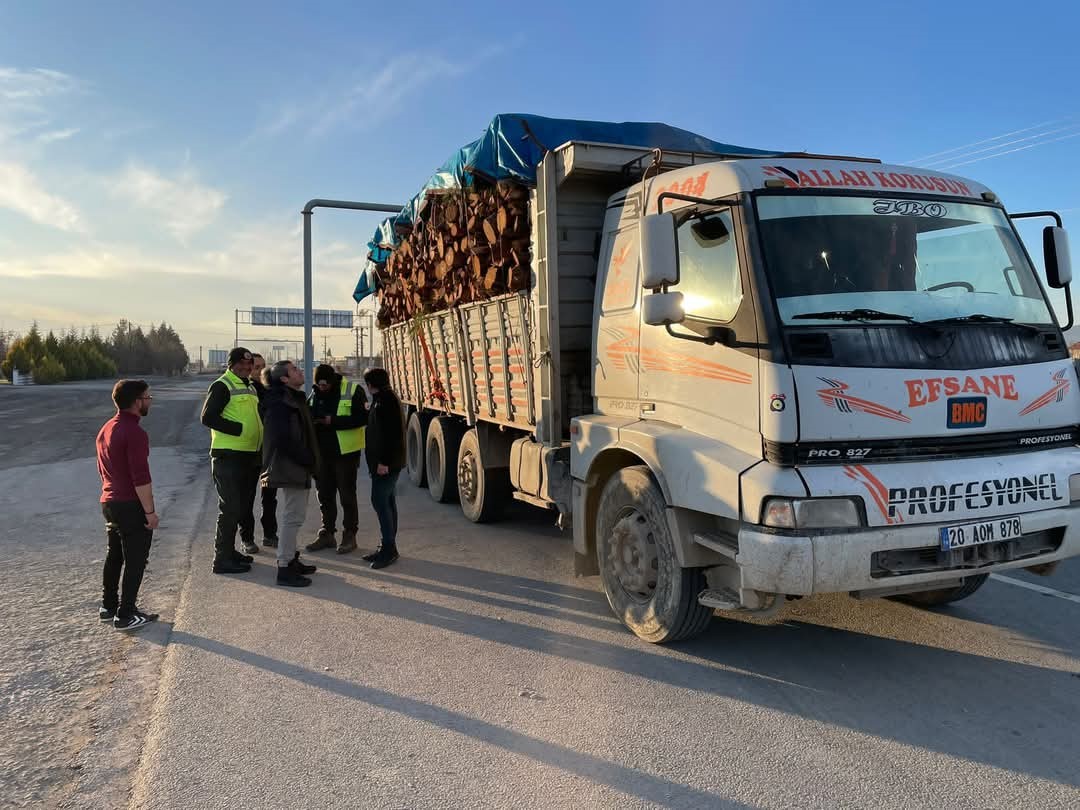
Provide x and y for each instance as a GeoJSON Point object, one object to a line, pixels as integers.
{"type": "Point", "coordinates": [290, 459]}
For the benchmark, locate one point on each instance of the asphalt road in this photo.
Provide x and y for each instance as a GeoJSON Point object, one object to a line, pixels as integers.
{"type": "Point", "coordinates": [478, 672]}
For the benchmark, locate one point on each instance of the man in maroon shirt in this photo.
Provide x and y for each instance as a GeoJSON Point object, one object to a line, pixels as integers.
{"type": "Point", "coordinates": [127, 502]}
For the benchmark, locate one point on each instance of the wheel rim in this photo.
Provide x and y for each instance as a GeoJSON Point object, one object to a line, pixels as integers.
{"type": "Point", "coordinates": [467, 477]}
{"type": "Point", "coordinates": [632, 555]}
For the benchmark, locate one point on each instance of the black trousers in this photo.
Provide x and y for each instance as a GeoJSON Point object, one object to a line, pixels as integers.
{"type": "Point", "coordinates": [129, 549]}
{"type": "Point", "coordinates": [384, 501]}
{"type": "Point", "coordinates": [236, 477]}
{"type": "Point", "coordinates": [269, 511]}
{"type": "Point", "coordinates": [337, 479]}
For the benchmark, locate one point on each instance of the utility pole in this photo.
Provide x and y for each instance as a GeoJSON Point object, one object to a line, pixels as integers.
{"type": "Point", "coordinates": [236, 319]}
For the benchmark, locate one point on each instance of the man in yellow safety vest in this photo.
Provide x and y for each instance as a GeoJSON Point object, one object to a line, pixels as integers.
{"type": "Point", "coordinates": [231, 411]}
{"type": "Point", "coordinates": [339, 408]}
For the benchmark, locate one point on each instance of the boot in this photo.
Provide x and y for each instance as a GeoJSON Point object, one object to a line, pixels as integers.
{"type": "Point", "coordinates": [290, 577]}
{"type": "Point", "coordinates": [373, 555]}
{"type": "Point", "coordinates": [387, 556]}
{"type": "Point", "coordinates": [324, 540]}
{"type": "Point", "coordinates": [348, 542]}
{"type": "Point", "coordinates": [300, 566]}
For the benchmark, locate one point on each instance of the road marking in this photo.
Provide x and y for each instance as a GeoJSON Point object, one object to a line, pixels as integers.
{"type": "Point", "coordinates": [1072, 597]}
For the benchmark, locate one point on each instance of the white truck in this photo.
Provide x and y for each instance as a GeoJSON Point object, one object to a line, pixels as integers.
{"type": "Point", "coordinates": [748, 380]}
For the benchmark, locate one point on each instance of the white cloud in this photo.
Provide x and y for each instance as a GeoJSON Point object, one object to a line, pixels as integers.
{"type": "Point", "coordinates": [57, 135]}
{"type": "Point", "coordinates": [185, 205]}
{"type": "Point", "coordinates": [21, 191]}
{"type": "Point", "coordinates": [374, 98]}
{"type": "Point", "coordinates": [28, 86]}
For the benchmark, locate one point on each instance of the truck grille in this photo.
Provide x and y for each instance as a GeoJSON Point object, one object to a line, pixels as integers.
{"type": "Point", "coordinates": [897, 562]}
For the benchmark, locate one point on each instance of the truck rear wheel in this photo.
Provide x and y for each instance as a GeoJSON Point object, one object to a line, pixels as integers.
{"type": "Point", "coordinates": [440, 460]}
{"type": "Point", "coordinates": [483, 491]}
{"type": "Point", "coordinates": [415, 450]}
{"type": "Point", "coordinates": [942, 596]}
{"type": "Point", "coordinates": [645, 585]}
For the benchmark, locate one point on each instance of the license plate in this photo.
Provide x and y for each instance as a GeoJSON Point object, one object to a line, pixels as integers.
{"type": "Point", "coordinates": [975, 534]}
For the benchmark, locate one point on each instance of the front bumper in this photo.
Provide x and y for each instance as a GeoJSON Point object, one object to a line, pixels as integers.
{"type": "Point", "coordinates": [809, 563]}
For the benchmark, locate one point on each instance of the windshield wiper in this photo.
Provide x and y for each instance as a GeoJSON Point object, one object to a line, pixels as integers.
{"type": "Point", "coordinates": [857, 315]}
{"type": "Point", "coordinates": [979, 317]}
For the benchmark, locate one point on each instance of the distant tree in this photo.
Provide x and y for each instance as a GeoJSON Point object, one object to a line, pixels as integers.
{"type": "Point", "coordinates": [48, 371]}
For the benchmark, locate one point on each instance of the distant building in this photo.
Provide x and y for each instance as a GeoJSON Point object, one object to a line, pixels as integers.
{"type": "Point", "coordinates": [1074, 350]}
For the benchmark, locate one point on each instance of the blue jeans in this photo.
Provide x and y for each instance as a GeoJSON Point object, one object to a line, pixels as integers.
{"type": "Point", "coordinates": [384, 500]}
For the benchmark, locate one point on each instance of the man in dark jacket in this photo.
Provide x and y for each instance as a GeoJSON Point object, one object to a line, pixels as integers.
{"type": "Point", "coordinates": [385, 458]}
{"type": "Point", "coordinates": [339, 407]}
{"type": "Point", "coordinates": [269, 494]}
{"type": "Point", "coordinates": [290, 459]}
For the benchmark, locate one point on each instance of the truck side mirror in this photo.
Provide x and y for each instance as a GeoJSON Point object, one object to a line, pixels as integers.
{"type": "Point", "coordinates": [659, 252]}
{"type": "Point", "coordinates": [1056, 257]}
{"type": "Point", "coordinates": [663, 309]}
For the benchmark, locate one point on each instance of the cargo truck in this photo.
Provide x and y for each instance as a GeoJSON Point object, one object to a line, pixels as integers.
{"type": "Point", "coordinates": [747, 379]}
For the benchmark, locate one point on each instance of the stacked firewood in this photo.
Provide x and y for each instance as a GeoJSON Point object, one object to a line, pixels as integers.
{"type": "Point", "coordinates": [469, 245]}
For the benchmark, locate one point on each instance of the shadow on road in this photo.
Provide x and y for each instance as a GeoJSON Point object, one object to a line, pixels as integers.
{"type": "Point", "coordinates": [1003, 714]}
{"type": "Point", "coordinates": [661, 791]}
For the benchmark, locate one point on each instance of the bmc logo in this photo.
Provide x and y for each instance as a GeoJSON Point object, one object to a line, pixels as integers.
{"type": "Point", "coordinates": [967, 412]}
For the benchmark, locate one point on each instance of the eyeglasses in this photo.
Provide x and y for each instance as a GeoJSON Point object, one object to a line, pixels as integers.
{"type": "Point", "coordinates": [147, 396]}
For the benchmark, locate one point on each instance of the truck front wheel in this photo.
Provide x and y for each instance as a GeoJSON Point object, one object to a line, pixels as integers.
{"type": "Point", "coordinates": [483, 491]}
{"type": "Point", "coordinates": [443, 438]}
{"type": "Point", "coordinates": [942, 596]}
{"type": "Point", "coordinates": [645, 585]}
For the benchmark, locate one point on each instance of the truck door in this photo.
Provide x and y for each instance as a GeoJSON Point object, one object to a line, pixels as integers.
{"type": "Point", "coordinates": [707, 389]}
{"type": "Point", "coordinates": [619, 334]}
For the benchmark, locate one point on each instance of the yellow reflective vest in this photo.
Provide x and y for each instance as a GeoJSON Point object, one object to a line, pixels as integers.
{"type": "Point", "coordinates": [243, 407]}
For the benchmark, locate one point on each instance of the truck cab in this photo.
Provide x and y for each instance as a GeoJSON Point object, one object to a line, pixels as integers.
{"type": "Point", "coordinates": [819, 375]}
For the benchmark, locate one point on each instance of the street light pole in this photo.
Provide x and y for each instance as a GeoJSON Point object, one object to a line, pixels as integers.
{"type": "Point", "coordinates": [309, 349]}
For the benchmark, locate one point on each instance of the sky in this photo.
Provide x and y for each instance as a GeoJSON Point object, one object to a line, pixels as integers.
{"type": "Point", "coordinates": [154, 157]}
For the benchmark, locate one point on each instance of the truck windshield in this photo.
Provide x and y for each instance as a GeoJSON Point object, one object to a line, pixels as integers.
{"type": "Point", "coordinates": [831, 257]}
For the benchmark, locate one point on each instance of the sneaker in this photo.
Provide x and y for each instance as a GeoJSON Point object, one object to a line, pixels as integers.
{"type": "Point", "coordinates": [385, 558]}
{"type": "Point", "coordinates": [231, 566]}
{"type": "Point", "coordinates": [291, 578]}
{"type": "Point", "coordinates": [324, 540]}
{"type": "Point", "coordinates": [300, 566]}
{"type": "Point", "coordinates": [373, 555]}
{"type": "Point", "coordinates": [134, 621]}
{"type": "Point", "coordinates": [250, 547]}
{"type": "Point", "coordinates": [270, 542]}
{"type": "Point", "coordinates": [105, 614]}
{"type": "Point", "coordinates": [243, 559]}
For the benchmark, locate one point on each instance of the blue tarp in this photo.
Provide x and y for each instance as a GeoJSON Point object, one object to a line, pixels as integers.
{"type": "Point", "coordinates": [512, 147]}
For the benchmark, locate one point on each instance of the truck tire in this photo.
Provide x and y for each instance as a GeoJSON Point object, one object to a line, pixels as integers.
{"type": "Point", "coordinates": [943, 596]}
{"type": "Point", "coordinates": [415, 452]}
{"type": "Point", "coordinates": [645, 585]}
{"type": "Point", "coordinates": [440, 460]}
{"type": "Point", "coordinates": [483, 491]}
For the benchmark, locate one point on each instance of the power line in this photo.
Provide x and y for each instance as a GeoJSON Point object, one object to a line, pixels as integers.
{"type": "Point", "coordinates": [997, 146]}
{"type": "Point", "coordinates": [1010, 151]}
{"type": "Point", "coordinates": [987, 140]}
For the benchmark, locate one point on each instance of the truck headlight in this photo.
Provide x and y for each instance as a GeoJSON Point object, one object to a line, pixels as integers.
{"type": "Point", "coordinates": [813, 513]}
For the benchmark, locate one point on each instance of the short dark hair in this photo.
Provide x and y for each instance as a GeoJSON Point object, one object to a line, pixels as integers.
{"type": "Point", "coordinates": [377, 378]}
{"type": "Point", "coordinates": [325, 372]}
{"type": "Point", "coordinates": [126, 392]}
{"type": "Point", "coordinates": [272, 374]}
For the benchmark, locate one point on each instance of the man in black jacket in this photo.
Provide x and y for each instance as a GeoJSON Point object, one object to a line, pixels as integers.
{"type": "Point", "coordinates": [290, 458]}
{"type": "Point", "coordinates": [339, 408]}
{"type": "Point", "coordinates": [385, 458]}
{"type": "Point", "coordinates": [269, 494]}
